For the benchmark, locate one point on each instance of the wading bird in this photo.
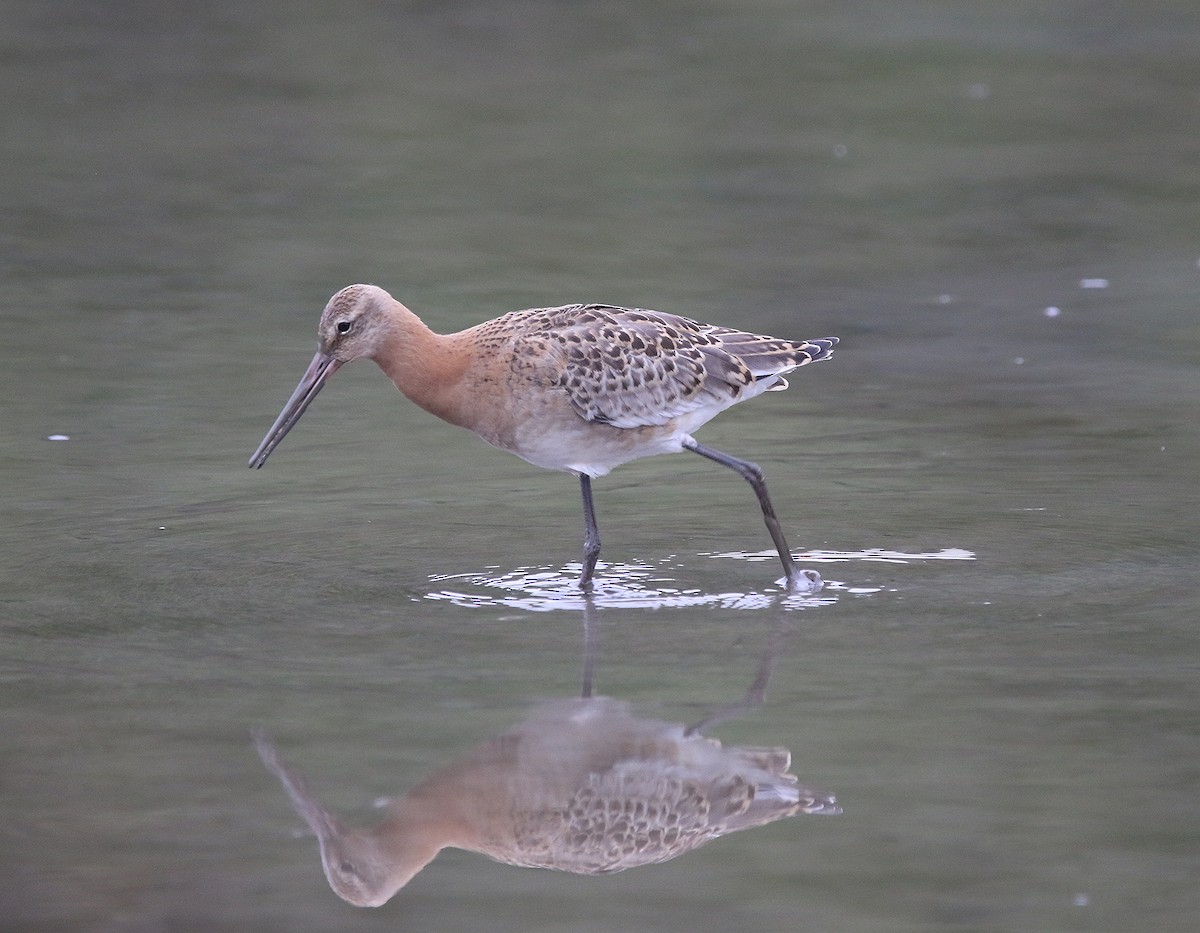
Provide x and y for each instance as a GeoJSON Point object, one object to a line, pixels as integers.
{"type": "Point", "coordinates": [582, 388]}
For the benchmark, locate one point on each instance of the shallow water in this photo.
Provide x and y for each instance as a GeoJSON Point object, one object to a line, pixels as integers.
{"type": "Point", "coordinates": [1000, 682]}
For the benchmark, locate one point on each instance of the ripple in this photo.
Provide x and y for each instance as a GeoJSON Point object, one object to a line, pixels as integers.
{"type": "Point", "coordinates": [630, 586]}
{"type": "Point", "coordinates": [650, 586]}
{"type": "Point", "coordinates": [881, 555]}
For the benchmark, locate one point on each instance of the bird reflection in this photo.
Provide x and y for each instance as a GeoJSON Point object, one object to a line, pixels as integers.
{"type": "Point", "coordinates": [581, 785]}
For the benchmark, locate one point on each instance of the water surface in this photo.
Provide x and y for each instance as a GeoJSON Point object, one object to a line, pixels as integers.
{"type": "Point", "coordinates": [1001, 682]}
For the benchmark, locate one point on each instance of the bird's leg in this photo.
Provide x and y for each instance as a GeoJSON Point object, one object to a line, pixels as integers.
{"type": "Point", "coordinates": [797, 580]}
{"type": "Point", "coordinates": [591, 534]}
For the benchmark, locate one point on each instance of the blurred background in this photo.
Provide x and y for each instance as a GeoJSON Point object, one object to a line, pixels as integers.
{"type": "Point", "coordinates": [995, 206]}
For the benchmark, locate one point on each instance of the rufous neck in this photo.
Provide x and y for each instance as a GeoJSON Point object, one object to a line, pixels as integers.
{"type": "Point", "coordinates": [422, 364]}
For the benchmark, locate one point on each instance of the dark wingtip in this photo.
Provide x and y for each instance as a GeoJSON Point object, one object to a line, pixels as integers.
{"type": "Point", "coordinates": [826, 345]}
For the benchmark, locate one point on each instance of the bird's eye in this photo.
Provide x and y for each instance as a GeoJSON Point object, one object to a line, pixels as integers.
{"type": "Point", "coordinates": [343, 327]}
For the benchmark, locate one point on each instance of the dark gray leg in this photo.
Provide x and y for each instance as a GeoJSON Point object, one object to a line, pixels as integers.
{"type": "Point", "coordinates": [591, 534]}
{"type": "Point", "coordinates": [753, 475]}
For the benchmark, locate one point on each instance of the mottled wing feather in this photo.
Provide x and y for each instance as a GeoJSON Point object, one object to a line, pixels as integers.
{"type": "Point", "coordinates": [640, 368]}
{"type": "Point", "coordinates": [630, 367]}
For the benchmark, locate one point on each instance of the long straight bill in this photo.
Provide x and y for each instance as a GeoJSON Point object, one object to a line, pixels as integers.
{"type": "Point", "coordinates": [319, 370]}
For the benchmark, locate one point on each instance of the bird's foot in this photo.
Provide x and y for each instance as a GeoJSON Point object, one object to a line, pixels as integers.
{"type": "Point", "coordinates": [803, 582]}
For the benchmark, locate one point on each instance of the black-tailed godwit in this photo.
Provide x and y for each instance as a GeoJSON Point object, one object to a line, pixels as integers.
{"type": "Point", "coordinates": [582, 388]}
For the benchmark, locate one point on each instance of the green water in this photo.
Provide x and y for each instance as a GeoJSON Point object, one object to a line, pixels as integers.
{"type": "Point", "coordinates": [1005, 706]}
